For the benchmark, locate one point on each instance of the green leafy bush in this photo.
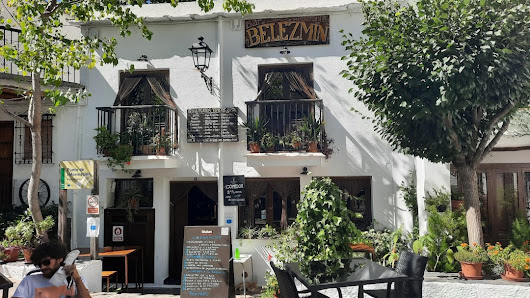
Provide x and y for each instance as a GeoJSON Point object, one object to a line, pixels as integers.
{"type": "Point", "coordinates": [383, 243]}
{"type": "Point", "coordinates": [324, 223]}
{"type": "Point", "coordinates": [439, 201]}
{"type": "Point", "coordinates": [520, 231]}
{"type": "Point", "coordinates": [445, 231]}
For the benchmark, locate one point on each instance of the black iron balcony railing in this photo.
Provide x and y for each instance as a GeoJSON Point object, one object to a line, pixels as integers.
{"type": "Point", "coordinates": [290, 124]}
{"type": "Point", "coordinates": [146, 127]}
{"type": "Point", "coordinates": [11, 37]}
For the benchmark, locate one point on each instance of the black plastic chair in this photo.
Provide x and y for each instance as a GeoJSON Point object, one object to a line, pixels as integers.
{"type": "Point", "coordinates": [286, 284]}
{"type": "Point", "coordinates": [413, 266]}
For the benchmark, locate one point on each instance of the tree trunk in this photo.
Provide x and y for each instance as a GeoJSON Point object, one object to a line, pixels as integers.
{"type": "Point", "coordinates": [468, 177]}
{"type": "Point", "coordinates": [35, 118]}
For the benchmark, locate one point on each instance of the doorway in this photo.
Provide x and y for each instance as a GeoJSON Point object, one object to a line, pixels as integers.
{"type": "Point", "coordinates": [504, 192]}
{"type": "Point", "coordinates": [192, 204]}
{"type": "Point", "coordinates": [6, 164]}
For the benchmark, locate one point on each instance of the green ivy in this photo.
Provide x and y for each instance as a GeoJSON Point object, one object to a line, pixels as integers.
{"type": "Point", "coordinates": [324, 224]}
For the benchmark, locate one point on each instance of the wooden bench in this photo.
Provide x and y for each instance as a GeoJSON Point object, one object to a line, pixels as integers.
{"type": "Point", "coordinates": [108, 275]}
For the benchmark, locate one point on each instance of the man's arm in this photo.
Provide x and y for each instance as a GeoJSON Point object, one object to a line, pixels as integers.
{"type": "Point", "coordinates": [82, 291]}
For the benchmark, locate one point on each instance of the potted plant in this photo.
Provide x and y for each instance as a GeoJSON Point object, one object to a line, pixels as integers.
{"type": "Point", "coordinates": [269, 142]}
{"type": "Point", "coordinates": [255, 132]}
{"type": "Point", "coordinates": [131, 200]}
{"type": "Point", "coordinates": [139, 129]}
{"type": "Point", "coordinates": [311, 128]}
{"type": "Point", "coordinates": [160, 143]}
{"type": "Point", "coordinates": [457, 201]}
{"type": "Point", "coordinates": [515, 261]}
{"type": "Point", "coordinates": [25, 234]}
{"type": "Point", "coordinates": [471, 258]}
{"type": "Point", "coordinates": [106, 141]}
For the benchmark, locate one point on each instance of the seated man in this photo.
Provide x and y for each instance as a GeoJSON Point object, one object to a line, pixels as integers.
{"type": "Point", "coordinates": [49, 257]}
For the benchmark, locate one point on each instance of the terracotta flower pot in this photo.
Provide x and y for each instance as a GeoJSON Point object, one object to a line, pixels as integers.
{"type": "Point", "coordinates": [11, 254]}
{"type": "Point", "coordinates": [27, 254]}
{"type": "Point", "coordinates": [161, 151]}
{"type": "Point", "coordinates": [455, 205]}
{"type": "Point", "coordinates": [471, 270]}
{"type": "Point", "coordinates": [512, 273]}
{"type": "Point", "coordinates": [312, 146]}
{"type": "Point", "coordinates": [254, 147]}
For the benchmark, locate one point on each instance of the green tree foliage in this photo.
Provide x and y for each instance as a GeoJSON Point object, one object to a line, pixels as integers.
{"type": "Point", "coordinates": [43, 52]}
{"type": "Point", "coordinates": [324, 223]}
{"type": "Point", "coordinates": [442, 78]}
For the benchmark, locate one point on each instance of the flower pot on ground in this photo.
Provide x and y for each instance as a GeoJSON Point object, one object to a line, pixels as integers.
{"type": "Point", "coordinates": [471, 270]}
{"type": "Point", "coordinates": [471, 258]}
{"type": "Point", "coordinates": [456, 205]}
{"type": "Point", "coordinates": [515, 261]}
{"type": "Point", "coordinates": [513, 274]}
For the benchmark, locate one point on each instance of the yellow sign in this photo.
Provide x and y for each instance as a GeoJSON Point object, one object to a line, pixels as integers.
{"type": "Point", "coordinates": [77, 174]}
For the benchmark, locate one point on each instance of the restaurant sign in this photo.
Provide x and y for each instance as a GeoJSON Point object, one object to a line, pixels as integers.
{"type": "Point", "coordinates": [294, 31]}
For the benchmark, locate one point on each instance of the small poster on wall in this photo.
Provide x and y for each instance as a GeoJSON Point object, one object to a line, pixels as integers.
{"type": "Point", "coordinates": [234, 190]}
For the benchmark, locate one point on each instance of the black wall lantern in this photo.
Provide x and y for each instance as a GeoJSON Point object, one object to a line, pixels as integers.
{"type": "Point", "coordinates": [201, 54]}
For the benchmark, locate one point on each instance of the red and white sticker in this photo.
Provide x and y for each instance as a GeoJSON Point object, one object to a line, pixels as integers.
{"type": "Point", "coordinates": [92, 204]}
{"type": "Point", "coordinates": [117, 233]}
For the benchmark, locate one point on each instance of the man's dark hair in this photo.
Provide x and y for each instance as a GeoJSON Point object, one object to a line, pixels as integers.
{"type": "Point", "coordinates": [54, 250]}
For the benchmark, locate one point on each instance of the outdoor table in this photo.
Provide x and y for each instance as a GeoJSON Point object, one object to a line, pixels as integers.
{"type": "Point", "coordinates": [125, 253]}
{"type": "Point", "coordinates": [319, 275]}
{"type": "Point", "coordinates": [243, 258]}
{"type": "Point", "coordinates": [5, 284]}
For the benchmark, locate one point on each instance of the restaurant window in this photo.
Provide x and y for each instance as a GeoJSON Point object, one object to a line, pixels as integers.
{"type": "Point", "coordinates": [270, 202]}
{"type": "Point", "coordinates": [358, 193]}
{"type": "Point", "coordinates": [23, 145]}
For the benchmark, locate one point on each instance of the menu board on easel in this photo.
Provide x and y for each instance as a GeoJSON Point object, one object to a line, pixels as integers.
{"type": "Point", "coordinates": [206, 266]}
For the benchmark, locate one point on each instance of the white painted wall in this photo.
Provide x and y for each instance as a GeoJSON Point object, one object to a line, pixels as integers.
{"type": "Point", "coordinates": [360, 151]}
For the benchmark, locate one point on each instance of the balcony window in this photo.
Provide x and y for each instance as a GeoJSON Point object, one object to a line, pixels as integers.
{"type": "Point", "coordinates": [285, 101]}
{"type": "Point", "coordinates": [143, 111]}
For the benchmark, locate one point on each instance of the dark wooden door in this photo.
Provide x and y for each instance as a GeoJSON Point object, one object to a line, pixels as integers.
{"type": "Point", "coordinates": [140, 232]}
{"type": "Point", "coordinates": [192, 203]}
{"type": "Point", "coordinates": [6, 163]}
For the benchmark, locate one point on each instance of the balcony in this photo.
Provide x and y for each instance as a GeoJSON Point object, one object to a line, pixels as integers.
{"type": "Point", "coordinates": [70, 76]}
{"type": "Point", "coordinates": [290, 125]}
{"type": "Point", "coordinates": [148, 128]}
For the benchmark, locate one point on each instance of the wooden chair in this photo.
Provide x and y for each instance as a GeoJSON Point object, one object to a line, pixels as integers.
{"type": "Point", "coordinates": [364, 248]}
{"type": "Point", "coordinates": [286, 283]}
{"type": "Point", "coordinates": [413, 266]}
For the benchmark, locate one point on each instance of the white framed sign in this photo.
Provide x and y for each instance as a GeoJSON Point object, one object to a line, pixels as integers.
{"type": "Point", "coordinates": [117, 233]}
{"type": "Point", "coordinates": [92, 204]}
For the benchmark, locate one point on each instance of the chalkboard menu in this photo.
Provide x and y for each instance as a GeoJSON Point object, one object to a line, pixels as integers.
{"type": "Point", "coordinates": [210, 125]}
{"type": "Point", "coordinates": [206, 266]}
{"type": "Point", "coordinates": [234, 190]}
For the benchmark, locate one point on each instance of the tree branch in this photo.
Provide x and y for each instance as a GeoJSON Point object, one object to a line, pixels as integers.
{"type": "Point", "coordinates": [495, 139]}
{"type": "Point", "coordinates": [15, 116]}
{"type": "Point", "coordinates": [52, 7]}
{"type": "Point", "coordinates": [479, 152]}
